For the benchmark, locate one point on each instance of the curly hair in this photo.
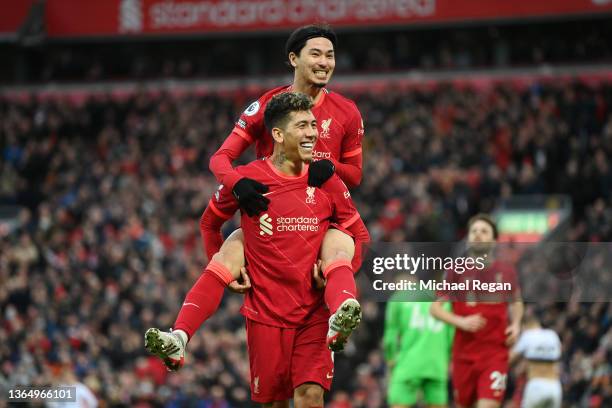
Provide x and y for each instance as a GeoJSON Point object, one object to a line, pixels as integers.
{"type": "Point", "coordinates": [281, 105]}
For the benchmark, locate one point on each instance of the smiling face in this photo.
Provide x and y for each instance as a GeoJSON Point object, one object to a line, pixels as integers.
{"type": "Point", "coordinates": [316, 61]}
{"type": "Point", "coordinates": [297, 136]}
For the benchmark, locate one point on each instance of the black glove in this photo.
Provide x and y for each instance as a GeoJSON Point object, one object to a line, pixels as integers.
{"type": "Point", "coordinates": [249, 194]}
{"type": "Point", "coordinates": [319, 172]}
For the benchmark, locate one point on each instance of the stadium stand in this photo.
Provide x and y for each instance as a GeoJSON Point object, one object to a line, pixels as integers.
{"type": "Point", "coordinates": [111, 188]}
{"type": "Point", "coordinates": [389, 50]}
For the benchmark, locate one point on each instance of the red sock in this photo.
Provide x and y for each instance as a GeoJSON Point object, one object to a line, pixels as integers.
{"type": "Point", "coordinates": [340, 284]}
{"type": "Point", "coordinates": [203, 298]}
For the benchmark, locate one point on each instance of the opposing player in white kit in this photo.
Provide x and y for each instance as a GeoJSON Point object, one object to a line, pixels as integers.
{"type": "Point", "coordinates": [542, 350]}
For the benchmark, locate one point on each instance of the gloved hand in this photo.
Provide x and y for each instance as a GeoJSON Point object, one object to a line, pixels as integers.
{"type": "Point", "coordinates": [249, 194]}
{"type": "Point", "coordinates": [319, 172]}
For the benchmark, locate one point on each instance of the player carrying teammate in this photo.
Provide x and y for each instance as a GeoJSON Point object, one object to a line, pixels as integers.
{"type": "Point", "coordinates": [483, 335]}
{"type": "Point", "coordinates": [417, 350]}
{"type": "Point", "coordinates": [286, 318]}
{"type": "Point", "coordinates": [542, 350]}
{"type": "Point", "coordinates": [311, 52]}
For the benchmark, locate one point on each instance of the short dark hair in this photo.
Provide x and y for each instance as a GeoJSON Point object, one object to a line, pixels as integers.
{"type": "Point", "coordinates": [281, 105]}
{"type": "Point", "coordinates": [298, 37]}
{"type": "Point", "coordinates": [486, 218]}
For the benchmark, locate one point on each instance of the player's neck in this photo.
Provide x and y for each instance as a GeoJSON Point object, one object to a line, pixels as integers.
{"type": "Point", "coordinates": [315, 92]}
{"type": "Point", "coordinates": [285, 166]}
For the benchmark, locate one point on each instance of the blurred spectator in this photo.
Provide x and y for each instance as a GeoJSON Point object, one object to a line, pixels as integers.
{"type": "Point", "coordinates": [517, 44]}
{"type": "Point", "coordinates": [112, 190]}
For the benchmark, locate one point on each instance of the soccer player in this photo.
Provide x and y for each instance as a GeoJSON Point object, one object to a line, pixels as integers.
{"type": "Point", "coordinates": [310, 51]}
{"type": "Point", "coordinates": [286, 317]}
{"type": "Point", "coordinates": [542, 350]}
{"type": "Point", "coordinates": [483, 334]}
{"type": "Point", "coordinates": [417, 350]}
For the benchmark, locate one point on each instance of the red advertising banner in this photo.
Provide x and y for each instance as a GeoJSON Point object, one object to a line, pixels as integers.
{"type": "Point", "coordinates": [137, 17]}
{"type": "Point", "coordinates": [13, 14]}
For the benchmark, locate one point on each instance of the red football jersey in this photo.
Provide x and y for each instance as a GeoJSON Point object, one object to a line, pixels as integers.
{"type": "Point", "coordinates": [282, 245]}
{"type": "Point", "coordinates": [488, 342]}
{"type": "Point", "coordinates": [338, 119]}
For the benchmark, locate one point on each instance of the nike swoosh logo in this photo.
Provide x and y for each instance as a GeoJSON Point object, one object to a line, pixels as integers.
{"type": "Point", "coordinates": [192, 304]}
{"type": "Point", "coordinates": [348, 293]}
{"type": "Point", "coordinates": [268, 193]}
{"type": "Point", "coordinates": [329, 377]}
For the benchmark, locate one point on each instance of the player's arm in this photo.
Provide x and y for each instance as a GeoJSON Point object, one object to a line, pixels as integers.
{"type": "Point", "coordinates": [391, 333]}
{"type": "Point", "coordinates": [471, 323]}
{"type": "Point", "coordinates": [349, 165]}
{"type": "Point", "coordinates": [248, 192]}
{"type": "Point", "coordinates": [516, 316]}
{"type": "Point", "coordinates": [349, 168]}
{"type": "Point", "coordinates": [221, 207]}
{"type": "Point", "coordinates": [210, 231]}
{"type": "Point", "coordinates": [210, 228]}
{"type": "Point", "coordinates": [221, 161]}
{"type": "Point", "coordinates": [517, 308]}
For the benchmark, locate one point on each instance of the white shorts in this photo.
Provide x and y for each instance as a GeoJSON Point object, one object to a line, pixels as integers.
{"type": "Point", "coordinates": [542, 393]}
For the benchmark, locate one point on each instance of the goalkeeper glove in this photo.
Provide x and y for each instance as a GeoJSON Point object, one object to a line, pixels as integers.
{"type": "Point", "coordinates": [319, 172]}
{"type": "Point", "coordinates": [249, 194]}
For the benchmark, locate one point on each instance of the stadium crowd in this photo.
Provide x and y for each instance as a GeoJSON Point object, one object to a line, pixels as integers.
{"type": "Point", "coordinates": [107, 240]}
{"type": "Point", "coordinates": [479, 46]}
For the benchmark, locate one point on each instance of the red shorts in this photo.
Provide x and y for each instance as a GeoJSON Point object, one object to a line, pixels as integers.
{"type": "Point", "coordinates": [483, 379]}
{"type": "Point", "coordinates": [283, 359]}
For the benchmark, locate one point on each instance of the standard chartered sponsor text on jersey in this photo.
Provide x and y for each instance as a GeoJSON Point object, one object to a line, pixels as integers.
{"type": "Point", "coordinates": [291, 224]}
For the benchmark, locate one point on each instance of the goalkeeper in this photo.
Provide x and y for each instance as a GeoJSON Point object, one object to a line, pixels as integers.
{"type": "Point", "coordinates": [417, 349]}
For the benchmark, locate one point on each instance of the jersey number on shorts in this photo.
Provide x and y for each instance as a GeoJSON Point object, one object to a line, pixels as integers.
{"type": "Point", "coordinates": [498, 381]}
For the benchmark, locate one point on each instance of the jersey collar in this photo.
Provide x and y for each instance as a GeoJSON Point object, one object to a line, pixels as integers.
{"type": "Point", "coordinates": [285, 176]}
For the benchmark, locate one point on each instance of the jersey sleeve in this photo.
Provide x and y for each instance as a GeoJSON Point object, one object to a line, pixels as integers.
{"type": "Point", "coordinates": [210, 231]}
{"type": "Point", "coordinates": [349, 164]}
{"type": "Point", "coordinates": [221, 161]}
{"type": "Point", "coordinates": [247, 129]}
{"type": "Point", "coordinates": [250, 126]}
{"type": "Point", "coordinates": [223, 203]}
{"type": "Point", "coordinates": [344, 211]}
{"type": "Point", "coordinates": [351, 143]}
